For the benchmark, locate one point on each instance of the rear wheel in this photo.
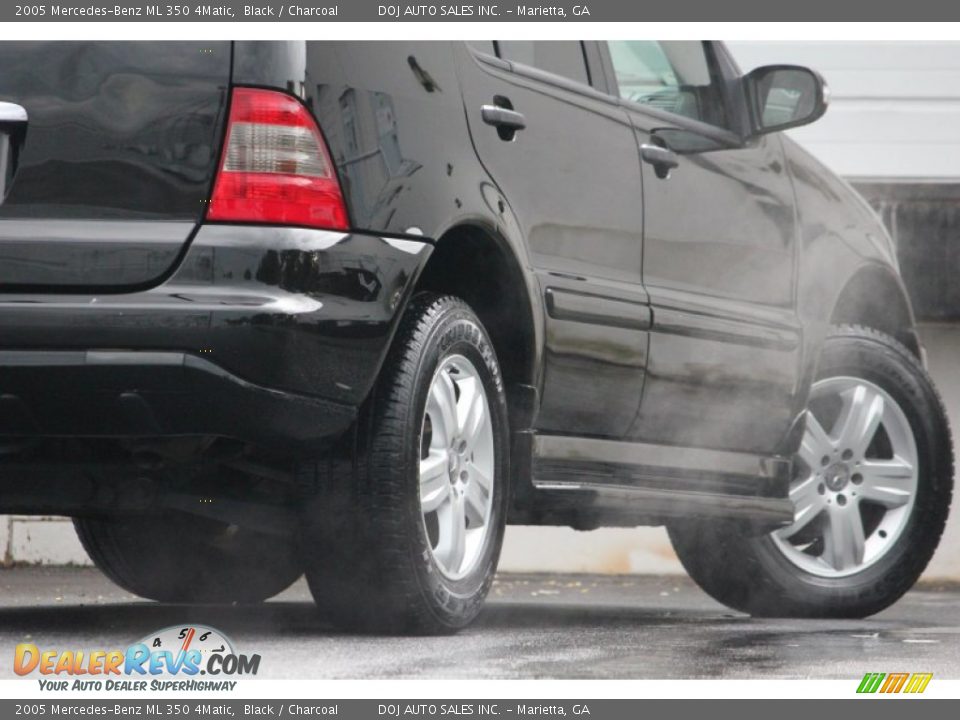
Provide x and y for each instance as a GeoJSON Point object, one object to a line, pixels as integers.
{"type": "Point", "coordinates": [406, 533]}
{"type": "Point", "coordinates": [175, 557]}
{"type": "Point", "coordinates": [871, 492]}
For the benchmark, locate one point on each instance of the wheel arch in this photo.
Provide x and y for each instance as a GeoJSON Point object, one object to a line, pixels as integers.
{"type": "Point", "coordinates": [480, 266]}
{"type": "Point", "coordinates": [875, 297]}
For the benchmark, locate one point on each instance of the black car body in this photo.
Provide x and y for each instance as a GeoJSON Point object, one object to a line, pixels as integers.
{"type": "Point", "coordinates": [658, 284]}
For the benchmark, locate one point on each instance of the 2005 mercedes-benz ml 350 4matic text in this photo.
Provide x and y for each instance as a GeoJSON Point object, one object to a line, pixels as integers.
{"type": "Point", "coordinates": [347, 309]}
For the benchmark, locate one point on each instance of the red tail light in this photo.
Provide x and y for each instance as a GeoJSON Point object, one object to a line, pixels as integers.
{"type": "Point", "coordinates": [275, 167]}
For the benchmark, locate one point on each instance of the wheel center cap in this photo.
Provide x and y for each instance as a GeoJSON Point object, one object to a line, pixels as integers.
{"type": "Point", "coordinates": [837, 476]}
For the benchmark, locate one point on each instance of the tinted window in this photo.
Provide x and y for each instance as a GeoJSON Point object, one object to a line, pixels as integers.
{"type": "Point", "coordinates": [560, 58]}
{"type": "Point", "coordinates": [673, 76]}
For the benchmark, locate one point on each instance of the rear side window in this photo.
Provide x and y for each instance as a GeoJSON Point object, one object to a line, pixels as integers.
{"type": "Point", "coordinates": [674, 76]}
{"type": "Point", "coordinates": [564, 58]}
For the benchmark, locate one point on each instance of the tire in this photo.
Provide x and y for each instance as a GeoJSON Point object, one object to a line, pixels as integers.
{"type": "Point", "coordinates": [377, 558]}
{"type": "Point", "coordinates": [818, 567]}
{"type": "Point", "coordinates": [175, 557]}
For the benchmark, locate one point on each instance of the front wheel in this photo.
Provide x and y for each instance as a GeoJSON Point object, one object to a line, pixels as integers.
{"type": "Point", "coordinates": [871, 492]}
{"type": "Point", "coordinates": [406, 531]}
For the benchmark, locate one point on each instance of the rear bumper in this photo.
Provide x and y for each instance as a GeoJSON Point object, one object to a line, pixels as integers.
{"type": "Point", "coordinates": [263, 334]}
{"type": "Point", "coordinates": [152, 394]}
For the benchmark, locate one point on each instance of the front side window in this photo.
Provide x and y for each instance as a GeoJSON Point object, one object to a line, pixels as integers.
{"type": "Point", "coordinates": [672, 75]}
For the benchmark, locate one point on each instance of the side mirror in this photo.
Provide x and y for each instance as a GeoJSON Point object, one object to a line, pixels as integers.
{"type": "Point", "coordinates": [784, 96]}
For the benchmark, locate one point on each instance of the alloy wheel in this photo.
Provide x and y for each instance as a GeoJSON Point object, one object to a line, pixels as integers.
{"type": "Point", "coordinates": [855, 482]}
{"type": "Point", "coordinates": [457, 467]}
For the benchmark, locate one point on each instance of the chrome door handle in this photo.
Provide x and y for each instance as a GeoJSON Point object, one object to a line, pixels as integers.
{"type": "Point", "coordinates": [12, 113]}
{"type": "Point", "coordinates": [503, 117]}
{"type": "Point", "coordinates": [13, 128]}
{"type": "Point", "coordinates": [663, 159]}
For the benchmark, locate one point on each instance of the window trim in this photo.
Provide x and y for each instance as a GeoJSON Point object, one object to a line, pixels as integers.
{"type": "Point", "coordinates": [529, 72]}
{"type": "Point", "coordinates": [599, 74]}
{"type": "Point", "coordinates": [475, 51]}
{"type": "Point", "coordinates": [731, 76]}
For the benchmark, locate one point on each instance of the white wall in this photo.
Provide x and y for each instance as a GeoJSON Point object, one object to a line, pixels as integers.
{"type": "Point", "coordinates": [894, 110]}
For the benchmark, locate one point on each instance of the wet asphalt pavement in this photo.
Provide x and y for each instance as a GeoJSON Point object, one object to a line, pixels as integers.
{"type": "Point", "coordinates": [534, 626]}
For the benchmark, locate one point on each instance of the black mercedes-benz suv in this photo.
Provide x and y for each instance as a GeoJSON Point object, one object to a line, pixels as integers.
{"type": "Point", "coordinates": [347, 309]}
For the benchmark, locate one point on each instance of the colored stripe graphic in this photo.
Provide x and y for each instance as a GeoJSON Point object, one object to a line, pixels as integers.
{"type": "Point", "coordinates": [918, 682]}
{"type": "Point", "coordinates": [892, 683]}
{"type": "Point", "coordinates": [870, 682]}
